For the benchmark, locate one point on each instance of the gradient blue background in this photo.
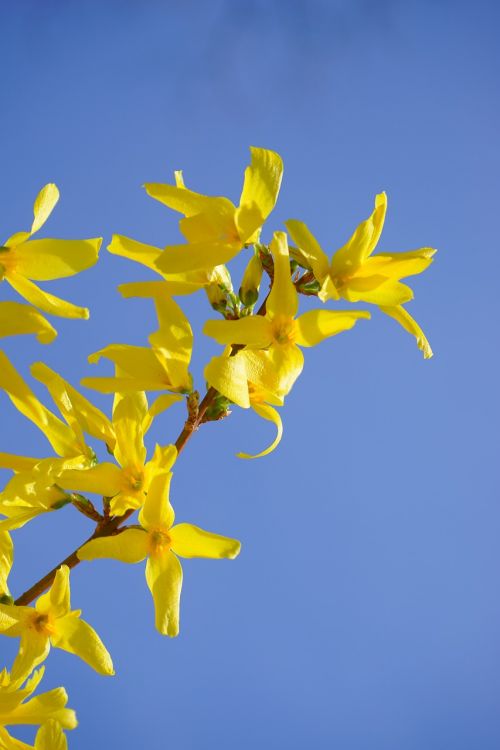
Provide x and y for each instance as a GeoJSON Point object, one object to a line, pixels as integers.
{"type": "Point", "coordinates": [364, 610]}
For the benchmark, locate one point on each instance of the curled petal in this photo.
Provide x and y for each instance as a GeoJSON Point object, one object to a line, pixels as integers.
{"type": "Point", "coordinates": [44, 205]}
{"type": "Point", "coordinates": [410, 324]}
{"type": "Point", "coordinates": [266, 412]}
{"type": "Point", "coordinates": [45, 301]}
{"type": "Point", "coordinates": [315, 326]}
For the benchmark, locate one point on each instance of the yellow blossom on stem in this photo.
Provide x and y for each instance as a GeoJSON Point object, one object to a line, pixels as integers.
{"type": "Point", "coordinates": [48, 709]}
{"type": "Point", "coordinates": [163, 366]}
{"type": "Point", "coordinates": [52, 622]}
{"type": "Point", "coordinates": [215, 229]}
{"type": "Point", "coordinates": [355, 274]}
{"type": "Point", "coordinates": [279, 331]}
{"type": "Point", "coordinates": [161, 543]}
{"type": "Point", "coordinates": [24, 261]}
{"type": "Point", "coordinates": [126, 483]}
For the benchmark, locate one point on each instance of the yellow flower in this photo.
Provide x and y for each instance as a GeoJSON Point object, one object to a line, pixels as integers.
{"type": "Point", "coordinates": [17, 319]}
{"type": "Point", "coordinates": [161, 542]}
{"type": "Point", "coordinates": [48, 709]}
{"type": "Point", "coordinates": [52, 622]}
{"type": "Point", "coordinates": [215, 229]}
{"type": "Point", "coordinates": [249, 379]}
{"type": "Point", "coordinates": [6, 560]}
{"type": "Point", "coordinates": [279, 331]}
{"type": "Point", "coordinates": [354, 274]}
{"type": "Point", "coordinates": [23, 260]}
{"type": "Point", "coordinates": [128, 482]}
{"type": "Point", "coordinates": [164, 366]}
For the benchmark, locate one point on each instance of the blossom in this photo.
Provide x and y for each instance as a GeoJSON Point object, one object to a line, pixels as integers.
{"type": "Point", "coordinates": [48, 709]}
{"type": "Point", "coordinates": [52, 622]}
{"type": "Point", "coordinates": [161, 543]}
{"type": "Point", "coordinates": [163, 366]}
{"type": "Point", "coordinates": [215, 229]}
{"type": "Point", "coordinates": [354, 274]}
{"type": "Point", "coordinates": [17, 319]}
{"type": "Point", "coordinates": [24, 260]}
{"type": "Point", "coordinates": [126, 483]}
{"type": "Point", "coordinates": [279, 331]}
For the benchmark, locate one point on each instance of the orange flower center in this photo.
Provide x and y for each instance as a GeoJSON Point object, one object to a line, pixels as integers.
{"type": "Point", "coordinates": [42, 623]}
{"type": "Point", "coordinates": [284, 330]}
{"type": "Point", "coordinates": [159, 542]}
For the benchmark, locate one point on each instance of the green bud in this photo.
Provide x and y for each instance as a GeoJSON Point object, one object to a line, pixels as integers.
{"type": "Point", "coordinates": [6, 599]}
{"type": "Point", "coordinates": [250, 283]}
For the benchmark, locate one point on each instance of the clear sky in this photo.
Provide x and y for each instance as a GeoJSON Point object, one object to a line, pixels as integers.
{"type": "Point", "coordinates": [364, 610]}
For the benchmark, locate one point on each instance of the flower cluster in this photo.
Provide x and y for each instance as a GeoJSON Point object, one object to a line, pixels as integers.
{"type": "Point", "coordinates": [262, 336]}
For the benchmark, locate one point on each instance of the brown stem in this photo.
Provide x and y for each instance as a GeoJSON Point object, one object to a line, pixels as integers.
{"type": "Point", "coordinates": [107, 526]}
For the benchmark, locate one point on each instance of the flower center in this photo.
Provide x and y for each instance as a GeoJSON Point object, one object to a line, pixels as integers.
{"type": "Point", "coordinates": [284, 330]}
{"type": "Point", "coordinates": [42, 623]}
{"type": "Point", "coordinates": [133, 479]}
{"type": "Point", "coordinates": [7, 261]}
{"type": "Point", "coordinates": [159, 542]}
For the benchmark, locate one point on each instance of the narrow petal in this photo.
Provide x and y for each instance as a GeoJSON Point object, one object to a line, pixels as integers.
{"type": "Point", "coordinates": [409, 324]}
{"type": "Point", "coordinates": [174, 338]}
{"type": "Point", "coordinates": [17, 463]}
{"type": "Point", "coordinates": [262, 180]}
{"type": "Point", "coordinates": [104, 479]}
{"type": "Point", "coordinates": [310, 248]}
{"type": "Point", "coordinates": [187, 202]}
{"type": "Point", "coordinates": [200, 255]}
{"type": "Point", "coordinates": [49, 705]}
{"type": "Point", "coordinates": [191, 541]}
{"type": "Point", "coordinates": [126, 247]}
{"type": "Point", "coordinates": [159, 405]}
{"type": "Point", "coordinates": [248, 220]}
{"type": "Point", "coordinates": [157, 509]}
{"type": "Point", "coordinates": [76, 409]}
{"type": "Point", "coordinates": [253, 331]}
{"type": "Point", "coordinates": [12, 619]}
{"type": "Point", "coordinates": [164, 578]}
{"type": "Point", "coordinates": [44, 260]}
{"type": "Point", "coordinates": [315, 326]}
{"type": "Point", "coordinates": [6, 559]}
{"type": "Point", "coordinates": [50, 736]}
{"type": "Point", "coordinates": [376, 289]}
{"type": "Point", "coordinates": [44, 205]}
{"type": "Point", "coordinates": [136, 362]}
{"type": "Point", "coordinates": [128, 546]}
{"type": "Point", "coordinates": [266, 412]}
{"type": "Point", "coordinates": [283, 298]}
{"type": "Point", "coordinates": [78, 637]}
{"type": "Point", "coordinates": [57, 600]}
{"type": "Point", "coordinates": [33, 650]}
{"type": "Point", "coordinates": [45, 301]}
{"type": "Point", "coordinates": [17, 319]}
{"type": "Point", "coordinates": [59, 435]}
{"type": "Point", "coordinates": [398, 265]}
{"type": "Point", "coordinates": [177, 284]}
{"type": "Point", "coordinates": [362, 243]}
{"type": "Point", "coordinates": [129, 412]}
{"type": "Point", "coordinates": [228, 375]}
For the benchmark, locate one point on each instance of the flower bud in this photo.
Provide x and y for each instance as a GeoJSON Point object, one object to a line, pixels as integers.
{"type": "Point", "coordinates": [250, 283]}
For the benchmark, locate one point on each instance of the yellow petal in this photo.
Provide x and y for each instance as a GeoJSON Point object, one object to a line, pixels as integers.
{"type": "Point", "coordinates": [6, 559]}
{"type": "Point", "coordinates": [187, 202]}
{"type": "Point", "coordinates": [266, 412]}
{"type": "Point", "coordinates": [133, 250]}
{"type": "Point", "coordinates": [17, 463]}
{"type": "Point", "coordinates": [127, 546]}
{"type": "Point", "coordinates": [362, 243]}
{"type": "Point", "coordinates": [253, 331]}
{"type": "Point", "coordinates": [17, 319]}
{"type": "Point", "coordinates": [315, 326]}
{"type": "Point", "coordinates": [376, 289]}
{"type": "Point", "coordinates": [409, 324]}
{"type": "Point", "coordinates": [59, 435]}
{"type": "Point", "coordinates": [44, 205]}
{"type": "Point", "coordinates": [288, 362]}
{"type": "Point", "coordinates": [78, 637]}
{"type": "Point", "coordinates": [398, 265]}
{"type": "Point", "coordinates": [157, 509]}
{"type": "Point", "coordinates": [104, 479]}
{"type": "Point", "coordinates": [129, 413]}
{"type": "Point", "coordinates": [174, 338]}
{"type": "Point", "coordinates": [44, 260]}
{"type": "Point", "coordinates": [164, 578]}
{"type": "Point", "coordinates": [56, 600]}
{"type": "Point", "coordinates": [138, 364]}
{"type": "Point", "coordinates": [191, 541]}
{"type": "Point", "coordinates": [33, 650]}
{"type": "Point", "coordinates": [76, 409]}
{"type": "Point", "coordinates": [177, 284]}
{"type": "Point", "coordinates": [310, 248]}
{"type": "Point", "coordinates": [262, 180]}
{"type": "Point", "coordinates": [228, 375]}
{"type": "Point", "coordinates": [50, 736]}
{"type": "Point", "coordinates": [49, 705]}
{"type": "Point", "coordinates": [45, 301]}
{"type": "Point", "coordinates": [199, 255]}
{"type": "Point", "coordinates": [248, 220]}
{"type": "Point", "coordinates": [283, 298]}
{"type": "Point", "coordinates": [159, 405]}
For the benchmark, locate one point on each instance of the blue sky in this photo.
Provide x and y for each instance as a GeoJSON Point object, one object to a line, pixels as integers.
{"type": "Point", "coordinates": [363, 612]}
